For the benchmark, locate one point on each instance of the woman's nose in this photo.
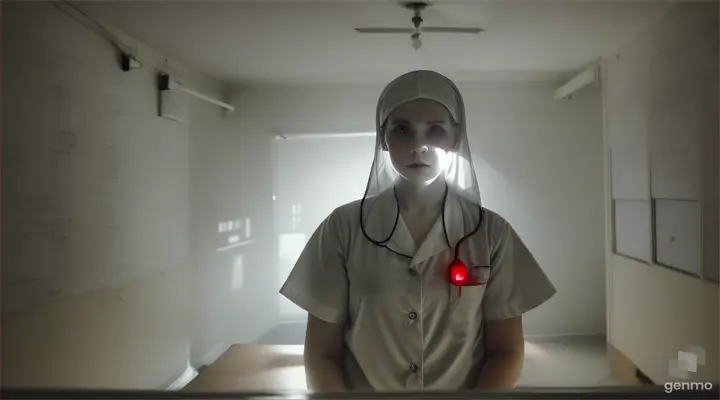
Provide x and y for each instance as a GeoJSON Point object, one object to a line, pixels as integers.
{"type": "Point", "coordinates": [422, 149]}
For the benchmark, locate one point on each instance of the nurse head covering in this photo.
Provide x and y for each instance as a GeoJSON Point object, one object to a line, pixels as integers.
{"type": "Point", "coordinates": [458, 171]}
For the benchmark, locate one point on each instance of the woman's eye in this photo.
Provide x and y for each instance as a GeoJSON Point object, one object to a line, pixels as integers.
{"type": "Point", "coordinates": [401, 129]}
{"type": "Point", "coordinates": [437, 130]}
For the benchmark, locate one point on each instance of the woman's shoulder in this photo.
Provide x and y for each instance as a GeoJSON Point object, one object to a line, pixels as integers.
{"type": "Point", "coordinates": [496, 224]}
{"type": "Point", "coordinates": [346, 214]}
{"type": "Point", "coordinates": [340, 224]}
{"type": "Point", "coordinates": [493, 221]}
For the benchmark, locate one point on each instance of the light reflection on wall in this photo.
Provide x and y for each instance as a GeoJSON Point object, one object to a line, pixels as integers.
{"type": "Point", "coordinates": [233, 233]}
{"type": "Point", "coordinates": [296, 218]}
{"type": "Point", "coordinates": [238, 272]}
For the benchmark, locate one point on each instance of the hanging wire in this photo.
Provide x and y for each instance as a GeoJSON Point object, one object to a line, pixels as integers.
{"type": "Point", "coordinates": [383, 243]}
{"type": "Point", "coordinates": [105, 33]}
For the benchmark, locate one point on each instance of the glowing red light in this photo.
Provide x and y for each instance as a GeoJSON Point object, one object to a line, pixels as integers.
{"type": "Point", "coordinates": [458, 273]}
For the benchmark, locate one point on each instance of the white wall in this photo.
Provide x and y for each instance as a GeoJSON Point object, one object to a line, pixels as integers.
{"type": "Point", "coordinates": [539, 164]}
{"type": "Point", "coordinates": [654, 312]}
{"type": "Point", "coordinates": [110, 279]}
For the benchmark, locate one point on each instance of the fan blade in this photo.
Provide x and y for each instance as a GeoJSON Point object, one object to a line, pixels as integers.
{"type": "Point", "coordinates": [440, 29]}
{"type": "Point", "coordinates": [385, 30]}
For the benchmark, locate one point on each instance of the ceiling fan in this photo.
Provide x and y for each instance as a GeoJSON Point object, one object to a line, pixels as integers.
{"type": "Point", "coordinates": [418, 30]}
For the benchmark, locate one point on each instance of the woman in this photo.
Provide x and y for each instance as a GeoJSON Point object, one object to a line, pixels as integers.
{"type": "Point", "coordinates": [416, 286]}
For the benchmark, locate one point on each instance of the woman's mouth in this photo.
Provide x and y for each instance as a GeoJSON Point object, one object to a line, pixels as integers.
{"type": "Point", "coordinates": [418, 165]}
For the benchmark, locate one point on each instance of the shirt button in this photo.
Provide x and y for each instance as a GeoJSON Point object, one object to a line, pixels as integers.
{"type": "Point", "coordinates": [412, 272]}
{"type": "Point", "coordinates": [412, 315]}
{"type": "Point", "coordinates": [413, 368]}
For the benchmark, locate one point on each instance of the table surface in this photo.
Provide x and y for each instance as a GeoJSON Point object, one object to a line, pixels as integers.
{"type": "Point", "coordinates": [251, 367]}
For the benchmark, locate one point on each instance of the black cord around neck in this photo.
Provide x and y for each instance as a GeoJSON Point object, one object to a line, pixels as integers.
{"type": "Point", "coordinates": [384, 242]}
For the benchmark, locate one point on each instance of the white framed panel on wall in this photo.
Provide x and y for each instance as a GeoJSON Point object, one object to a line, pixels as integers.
{"type": "Point", "coordinates": [678, 235]}
{"type": "Point", "coordinates": [627, 127]}
{"type": "Point", "coordinates": [675, 147]}
{"type": "Point", "coordinates": [629, 157]}
{"type": "Point", "coordinates": [632, 220]}
{"type": "Point", "coordinates": [630, 165]}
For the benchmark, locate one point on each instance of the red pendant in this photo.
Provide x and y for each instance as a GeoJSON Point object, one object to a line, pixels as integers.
{"type": "Point", "coordinates": [459, 275]}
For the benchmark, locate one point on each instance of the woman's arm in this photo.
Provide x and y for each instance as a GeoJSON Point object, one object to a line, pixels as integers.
{"type": "Point", "coordinates": [504, 354]}
{"type": "Point", "coordinates": [323, 356]}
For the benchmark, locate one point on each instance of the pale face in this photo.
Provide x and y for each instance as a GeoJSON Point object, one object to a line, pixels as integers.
{"type": "Point", "coordinates": [419, 136]}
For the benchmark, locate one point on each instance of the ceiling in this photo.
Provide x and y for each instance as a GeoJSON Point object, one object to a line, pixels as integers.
{"type": "Point", "coordinates": [298, 41]}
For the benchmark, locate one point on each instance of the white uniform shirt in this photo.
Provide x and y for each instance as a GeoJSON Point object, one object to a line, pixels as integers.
{"type": "Point", "coordinates": [406, 326]}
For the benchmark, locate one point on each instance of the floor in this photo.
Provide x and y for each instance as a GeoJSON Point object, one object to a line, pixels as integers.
{"type": "Point", "coordinates": [566, 362]}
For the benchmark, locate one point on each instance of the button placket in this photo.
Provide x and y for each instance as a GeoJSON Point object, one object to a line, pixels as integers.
{"type": "Point", "coordinates": [412, 317]}
{"type": "Point", "coordinates": [411, 314]}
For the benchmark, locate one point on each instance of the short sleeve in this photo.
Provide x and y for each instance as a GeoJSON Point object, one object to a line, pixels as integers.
{"type": "Point", "coordinates": [318, 281]}
{"type": "Point", "coordinates": [517, 284]}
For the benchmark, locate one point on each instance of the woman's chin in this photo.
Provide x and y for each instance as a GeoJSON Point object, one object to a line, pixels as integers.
{"type": "Point", "coordinates": [419, 177]}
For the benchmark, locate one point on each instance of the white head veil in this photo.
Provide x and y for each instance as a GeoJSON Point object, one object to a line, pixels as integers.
{"type": "Point", "coordinates": [459, 174]}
